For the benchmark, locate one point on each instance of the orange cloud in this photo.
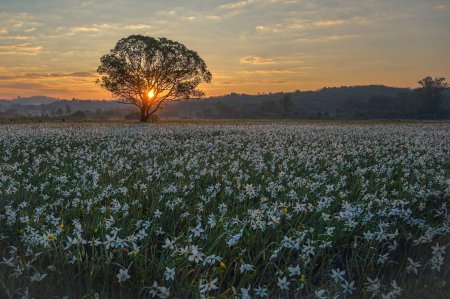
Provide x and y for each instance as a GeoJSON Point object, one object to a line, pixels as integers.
{"type": "Point", "coordinates": [49, 75]}
{"type": "Point", "coordinates": [138, 27]}
{"type": "Point", "coordinates": [256, 60]}
{"type": "Point", "coordinates": [330, 23]}
{"type": "Point", "coordinates": [25, 49]}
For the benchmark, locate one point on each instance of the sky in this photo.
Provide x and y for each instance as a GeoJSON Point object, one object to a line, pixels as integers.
{"type": "Point", "coordinates": [53, 47]}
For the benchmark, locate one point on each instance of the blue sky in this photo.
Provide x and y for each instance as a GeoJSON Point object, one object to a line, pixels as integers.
{"type": "Point", "coordinates": [53, 47]}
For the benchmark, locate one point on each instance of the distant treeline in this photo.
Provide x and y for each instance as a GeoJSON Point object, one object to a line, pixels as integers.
{"type": "Point", "coordinates": [42, 107]}
{"type": "Point", "coordinates": [357, 102]}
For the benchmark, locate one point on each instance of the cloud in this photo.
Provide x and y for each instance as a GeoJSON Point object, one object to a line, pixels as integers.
{"type": "Point", "coordinates": [172, 12]}
{"type": "Point", "coordinates": [95, 28]}
{"type": "Point", "coordinates": [15, 37]}
{"type": "Point", "coordinates": [59, 75]}
{"type": "Point", "coordinates": [30, 29]}
{"type": "Point", "coordinates": [214, 18]}
{"type": "Point", "coordinates": [138, 27]}
{"type": "Point", "coordinates": [236, 5]}
{"type": "Point", "coordinates": [257, 82]}
{"type": "Point", "coordinates": [308, 25]}
{"type": "Point", "coordinates": [233, 82]}
{"type": "Point", "coordinates": [266, 72]}
{"type": "Point", "coordinates": [201, 17]}
{"type": "Point", "coordinates": [25, 49]}
{"type": "Point", "coordinates": [84, 29]}
{"type": "Point", "coordinates": [284, 1]}
{"type": "Point", "coordinates": [330, 23]}
{"type": "Point", "coordinates": [326, 38]}
{"type": "Point", "coordinates": [256, 60]}
{"type": "Point", "coordinates": [297, 25]}
{"type": "Point", "coordinates": [49, 75]}
{"type": "Point", "coordinates": [18, 24]}
{"type": "Point", "coordinates": [3, 31]}
{"type": "Point", "coordinates": [336, 37]}
{"type": "Point", "coordinates": [100, 28]}
{"type": "Point", "coordinates": [270, 28]}
{"type": "Point", "coordinates": [21, 85]}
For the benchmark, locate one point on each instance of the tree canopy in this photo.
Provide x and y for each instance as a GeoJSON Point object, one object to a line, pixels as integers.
{"type": "Point", "coordinates": [431, 93]}
{"type": "Point", "coordinates": [146, 71]}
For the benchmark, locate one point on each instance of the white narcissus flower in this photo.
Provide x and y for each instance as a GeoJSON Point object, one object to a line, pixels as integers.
{"type": "Point", "coordinates": [373, 286]}
{"type": "Point", "coordinates": [38, 276]}
{"type": "Point", "coordinates": [196, 255]}
{"type": "Point", "coordinates": [294, 270]}
{"type": "Point", "coordinates": [412, 266]}
{"type": "Point", "coordinates": [261, 291]}
{"type": "Point", "coordinates": [208, 286]}
{"type": "Point", "coordinates": [169, 274]}
{"type": "Point", "coordinates": [349, 287]}
{"type": "Point", "coordinates": [245, 267]}
{"type": "Point", "coordinates": [337, 275]}
{"type": "Point", "coordinates": [283, 284]}
{"type": "Point", "coordinates": [123, 275]}
{"type": "Point", "coordinates": [245, 292]}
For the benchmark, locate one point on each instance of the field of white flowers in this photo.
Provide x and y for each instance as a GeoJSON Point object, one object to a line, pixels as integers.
{"type": "Point", "coordinates": [231, 210]}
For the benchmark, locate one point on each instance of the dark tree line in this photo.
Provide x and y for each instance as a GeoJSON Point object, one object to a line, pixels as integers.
{"type": "Point", "coordinates": [429, 101]}
{"type": "Point", "coordinates": [431, 95]}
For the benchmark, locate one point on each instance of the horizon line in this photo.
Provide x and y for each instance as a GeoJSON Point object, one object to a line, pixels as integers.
{"type": "Point", "coordinates": [222, 95]}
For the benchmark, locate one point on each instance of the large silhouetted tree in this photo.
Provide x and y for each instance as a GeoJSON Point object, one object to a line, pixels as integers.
{"type": "Point", "coordinates": [146, 71]}
{"type": "Point", "coordinates": [431, 94]}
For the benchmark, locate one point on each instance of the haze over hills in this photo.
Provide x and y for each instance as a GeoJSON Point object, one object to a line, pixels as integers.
{"type": "Point", "coordinates": [373, 101]}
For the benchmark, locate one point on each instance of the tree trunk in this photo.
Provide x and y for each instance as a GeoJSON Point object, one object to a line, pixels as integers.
{"type": "Point", "coordinates": [144, 115]}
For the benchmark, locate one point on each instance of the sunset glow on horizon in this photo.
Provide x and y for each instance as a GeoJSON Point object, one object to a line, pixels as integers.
{"type": "Point", "coordinates": [53, 47]}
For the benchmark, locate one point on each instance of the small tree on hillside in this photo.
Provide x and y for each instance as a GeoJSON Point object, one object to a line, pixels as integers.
{"type": "Point", "coordinates": [68, 110]}
{"type": "Point", "coordinates": [431, 94]}
{"type": "Point", "coordinates": [145, 71]}
{"type": "Point", "coordinates": [287, 104]}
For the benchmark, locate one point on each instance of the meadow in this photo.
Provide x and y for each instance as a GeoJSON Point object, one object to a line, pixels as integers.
{"type": "Point", "coordinates": [203, 210]}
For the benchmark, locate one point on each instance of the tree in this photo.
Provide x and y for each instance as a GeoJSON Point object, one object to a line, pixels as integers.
{"type": "Point", "coordinates": [146, 71]}
{"type": "Point", "coordinates": [431, 94]}
{"type": "Point", "coordinates": [79, 114]}
{"type": "Point", "coordinates": [68, 109]}
{"type": "Point", "coordinates": [287, 104]}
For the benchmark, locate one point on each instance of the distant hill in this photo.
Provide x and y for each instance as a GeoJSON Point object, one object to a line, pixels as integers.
{"type": "Point", "coordinates": [48, 107]}
{"type": "Point", "coordinates": [34, 100]}
{"type": "Point", "coordinates": [360, 102]}
{"type": "Point", "coordinates": [335, 102]}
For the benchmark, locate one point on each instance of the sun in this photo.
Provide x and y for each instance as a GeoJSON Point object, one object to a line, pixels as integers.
{"type": "Point", "coordinates": [151, 94]}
